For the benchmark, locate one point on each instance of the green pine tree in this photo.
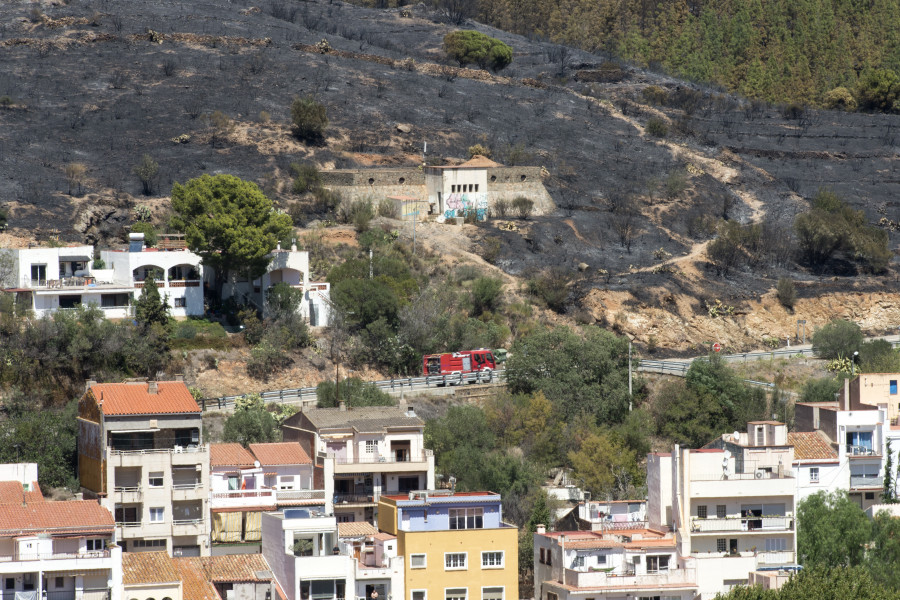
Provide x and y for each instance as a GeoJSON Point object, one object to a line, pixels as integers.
{"type": "Point", "coordinates": [150, 307]}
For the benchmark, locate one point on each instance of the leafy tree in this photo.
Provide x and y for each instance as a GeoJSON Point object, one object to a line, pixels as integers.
{"type": "Point", "coordinates": [579, 374]}
{"type": "Point", "coordinates": [229, 222]}
{"type": "Point", "coordinates": [366, 301]}
{"type": "Point", "coordinates": [606, 465]}
{"type": "Point", "coordinates": [251, 423]}
{"type": "Point", "coordinates": [149, 231]}
{"type": "Point", "coordinates": [838, 338]}
{"type": "Point", "coordinates": [820, 390]}
{"type": "Point", "coordinates": [884, 550]}
{"type": "Point", "coordinates": [888, 492]}
{"type": "Point", "coordinates": [485, 294]}
{"type": "Point", "coordinates": [821, 583]}
{"type": "Point", "coordinates": [832, 530]}
{"type": "Point", "coordinates": [3, 219]}
{"type": "Point", "coordinates": [283, 301]}
{"type": "Point", "coordinates": [46, 437]}
{"type": "Point", "coordinates": [353, 392]}
{"type": "Point", "coordinates": [146, 172]}
{"type": "Point", "coordinates": [786, 292]}
{"type": "Point", "coordinates": [150, 307]}
{"type": "Point", "coordinates": [878, 356]}
{"type": "Point", "coordinates": [310, 118]}
{"type": "Point", "coordinates": [879, 90]}
{"type": "Point", "coordinates": [306, 178]}
{"type": "Point", "coordinates": [473, 47]}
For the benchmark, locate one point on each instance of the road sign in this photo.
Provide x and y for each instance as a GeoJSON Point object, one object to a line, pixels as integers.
{"type": "Point", "coordinates": [717, 347]}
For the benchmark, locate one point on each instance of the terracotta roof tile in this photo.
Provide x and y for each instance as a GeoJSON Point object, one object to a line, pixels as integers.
{"type": "Point", "coordinates": [356, 529]}
{"type": "Point", "coordinates": [809, 445]}
{"type": "Point", "coordinates": [139, 568]}
{"type": "Point", "coordinates": [195, 585]}
{"type": "Point", "coordinates": [13, 492]}
{"type": "Point", "coordinates": [381, 535]}
{"type": "Point", "coordinates": [590, 544]}
{"type": "Point", "coordinates": [72, 517]}
{"type": "Point", "coordinates": [280, 453]}
{"type": "Point", "coordinates": [172, 397]}
{"type": "Point", "coordinates": [236, 567]}
{"type": "Point", "coordinates": [230, 455]}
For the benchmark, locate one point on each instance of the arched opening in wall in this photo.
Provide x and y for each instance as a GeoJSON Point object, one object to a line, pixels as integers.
{"type": "Point", "coordinates": [371, 181]}
{"type": "Point", "coordinates": [402, 180]}
{"type": "Point", "coordinates": [493, 178]}
{"type": "Point", "coordinates": [522, 178]}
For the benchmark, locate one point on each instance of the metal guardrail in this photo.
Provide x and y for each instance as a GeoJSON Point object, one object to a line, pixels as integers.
{"type": "Point", "coordinates": [681, 368]}
{"type": "Point", "coordinates": [307, 396]}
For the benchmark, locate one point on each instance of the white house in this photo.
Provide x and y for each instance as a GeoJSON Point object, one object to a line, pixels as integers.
{"type": "Point", "coordinates": [51, 279]}
{"type": "Point", "coordinates": [620, 565]}
{"type": "Point", "coordinates": [457, 190]}
{"type": "Point", "coordinates": [54, 550]}
{"type": "Point", "coordinates": [817, 467]}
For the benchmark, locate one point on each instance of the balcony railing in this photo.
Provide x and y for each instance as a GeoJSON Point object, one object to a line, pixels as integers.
{"type": "Point", "coordinates": [742, 524]}
{"type": "Point", "coordinates": [775, 558]}
{"type": "Point", "coordinates": [177, 522]}
{"type": "Point", "coordinates": [671, 578]}
{"type": "Point", "coordinates": [862, 451]}
{"type": "Point", "coordinates": [407, 457]}
{"type": "Point", "coordinates": [230, 494]}
{"type": "Point", "coordinates": [361, 496]}
{"type": "Point", "coordinates": [289, 495]}
{"type": "Point", "coordinates": [865, 481]}
{"type": "Point", "coordinates": [53, 555]}
{"type": "Point", "coordinates": [127, 488]}
{"type": "Point", "coordinates": [174, 450]}
{"type": "Point", "coordinates": [128, 523]}
{"type": "Point", "coordinates": [727, 476]}
{"type": "Point", "coordinates": [186, 486]}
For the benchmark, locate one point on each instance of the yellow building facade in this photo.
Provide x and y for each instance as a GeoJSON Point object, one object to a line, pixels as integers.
{"type": "Point", "coordinates": [455, 546]}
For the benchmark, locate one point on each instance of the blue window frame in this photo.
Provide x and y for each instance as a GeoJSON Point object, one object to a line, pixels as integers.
{"type": "Point", "coordinates": [893, 387]}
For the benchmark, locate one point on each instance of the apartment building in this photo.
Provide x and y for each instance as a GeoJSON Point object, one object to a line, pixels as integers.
{"type": "Point", "coordinates": [140, 454]}
{"type": "Point", "coordinates": [455, 545]}
{"type": "Point", "coordinates": [612, 565]}
{"type": "Point", "coordinates": [609, 515]}
{"type": "Point", "coordinates": [54, 550]}
{"type": "Point", "coordinates": [365, 452]}
{"type": "Point", "coordinates": [817, 466]}
{"type": "Point", "coordinates": [245, 482]}
{"type": "Point", "coordinates": [378, 568]}
{"type": "Point", "coordinates": [50, 279]}
{"type": "Point", "coordinates": [732, 508]}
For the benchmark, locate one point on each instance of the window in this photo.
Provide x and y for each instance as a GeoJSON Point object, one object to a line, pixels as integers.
{"type": "Point", "coordinates": [721, 511]}
{"type": "Point", "coordinates": [59, 582]}
{"type": "Point", "coordinates": [542, 556]}
{"type": "Point", "coordinates": [492, 593]}
{"type": "Point", "coordinates": [148, 544]}
{"type": "Point", "coordinates": [38, 273]}
{"type": "Point", "coordinates": [454, 560]}
{"type": "Point", "coordinates": [180, 302]}
{"type": "Point", "coordinates": [234, 482]}
{"type": "Point", "coordinates": [455, 594]}
{"type": "Point", "coordinates": [720, 545]}
{"type": "Point", "coordinates": [476, 187]}
{"type": "Point", "coordinates": [701, 511]}
{"type": "Point", "coordinates": [552, 596]}
{"type": "Point", "coordinates": [870, 495]}
{"type": "Point", "coordinates": [10, 583]}
{"type": "Point", "coordinates": [156, 515]}
{"type": "Point", "coordinates": [814, 475]}
{"type": "Point", "coordinates": [114, 300]}
{"type": "Point", "coordinates": [94, 545]}
{"type": "Point", "coordinates": [417, 561]}
{"type": "Point", "coordinates": [419, 595]}
{"type": "Point", "coordinates": [494, 560]}
{"type": "Point", "coordinates": [760, 436]}
{"type": "Point", "coordinates": [371, 445]}
{"type": "Point", "coordinates": [893, 387]}
{"type": "Point", "coordinates": [657, 564]}
{"type": "Point", "coordinates": [28, 581]}
{"type": "Point", "coordinates": [156, 479]}
{"type": "Point", "coordinates": [466, 518]}
{"type": "Point", "coordinates": [601, 559]}
{"type": "Point", "coordinates": [578, 562]}
{"type": "Point", "coordinates": [776, 544]}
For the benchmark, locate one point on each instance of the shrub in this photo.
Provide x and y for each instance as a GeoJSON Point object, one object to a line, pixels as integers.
{"type": "Point", "coordinates": [490, 251]}
{"type": "Point", "coordinates": [98, 263]}
{"type": "Point", "coordinates": [359, 212]}
{"type": "Point", "coordinates": [310, 118]}
{"type": "Point", "coordinates": [148, 230]}
{"type": "Point", "coordinates": [839, 338]}
{"type": "Point", "coordinates": [657, 127]}
{"type": "Point", "coordinates": [326, 201]}
{"type": "Point", "coordinates": [786, 292]}
{"type": "Point", "coordinates": [472, 47]}
{"type": "Point", "coordinates": [552, 288]}
{"type": "Point", "coordinates": [266, 359]}
{"type": "Point", "coordinates": [387, 208]}
{"type": "Point", "coordinates": [486, 294]}
{"type": "Point", "coordinates": [655, 95]}
{"type": "Point", "coordinates": [501, 207]}
{"type": "Point", "coordinates": [479, 150]}
{"type": "Point", "coordinates": [840, 98]}
{"type": "Point", "coordinates": [306, 178]}
{"type": "Point", "coordinates": [353, 391]}
{"type": "Point", "coordinates": [146, 172]}
{"type": "Point", "coordinates": [879, 90]}
{"type": "Point", "coordinates": [75, 176]}
{"type": "Point", "coordinates": [264, 116]}
{"type": "Point", "coordinates": [6, 101]}
{"type": "Point", "coordinates": [523, 207]}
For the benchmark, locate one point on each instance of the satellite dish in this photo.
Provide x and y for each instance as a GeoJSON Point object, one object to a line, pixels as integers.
{"type": "Point", "coordinates": [737, 435]}
{"type": "Point", "coordinates": [724, 463]}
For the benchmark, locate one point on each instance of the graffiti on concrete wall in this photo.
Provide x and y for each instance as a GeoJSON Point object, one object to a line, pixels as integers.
{"type": "Point", "coordinates": [463, 205]}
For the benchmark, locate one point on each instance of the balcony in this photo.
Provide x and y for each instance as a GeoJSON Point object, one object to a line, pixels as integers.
{"type": "Point", "coordinates": [775, 558]}
{"type": "Point", "coordinates": [865, 482]}
{"type": "Point", "coordinates": [743, 524]}
{"type": "Point", "coordinates": [862, 452]}
{"type": "Point", "coordinates": [22, 557]}
{"type": "Point", "coordinates": [187, 527]}
{"type": "Point", "coordinates": [299, 495]}
{"type": "Point", "coordinates": [127, 494]}
{"type": "Point", "coordinates": [173, 450]}
{"type": "Point", "coordinates": [675, 578]}
{"type": "Point", "coordinates": [360, 496]}
{"type": "Point", "coordinates": [393, 462]}
{"type": "Point", "coordinates": [98, 594]}
{"type": "Point", "coordinates": [242, 498]}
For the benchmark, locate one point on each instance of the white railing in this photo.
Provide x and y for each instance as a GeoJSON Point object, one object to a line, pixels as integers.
{"type": "Point", "coordinates": [125, 488]}
{"type": "Point", "coordinates": [742, 524]}
{"type": "Point", "coordinates": [388, 458]}
{"type": "Point", "coordinates": [853, 451]}
{"type": "Point", "coordinates": [53, 555]}
{"type": "Point", "coordinates": [782, 557]}
{"type": "Point", "coordinates": [287, 495]}
{"type": "Point", "coordinates": [263, 493]}
{"type": "Point", "coordinates": [186, 486]}
{"type": "Point", "coordinates": [727, 476]}
{"type": "Point", "coordinates": [187, 521]}
{"type": "Point", "coordinates": [671, 578]}
{"type": "Point", "coordinates": [175, 450]}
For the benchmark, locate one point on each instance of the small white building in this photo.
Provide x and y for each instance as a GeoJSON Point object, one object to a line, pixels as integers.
{"type": "Point", "coordinates": [816, 464]}
{"type": "Point", "coordinates": [458, 190]}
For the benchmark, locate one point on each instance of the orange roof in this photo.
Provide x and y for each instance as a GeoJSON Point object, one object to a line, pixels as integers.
{"type": "Point", "coordinates": [356, 529]}
{"type": "Point", "coordinates": [230, 455]}
{"type": "Point", "coordinates": [141, 568]}
{"type": "Point", "coordinates": [809, 445]}
{"type": "Point", "coordinates": [381, 535]}
{"type": "Point", "coordinates": [590, 544]}
{"type": "Point", "coordinates": [236, 567]}
{"type": "Point", "coordinates": [13, 492]}
{"type": "Point", "coordinates": [280, 453]}
{"type": "Point", "coordinates": [657, 543]}
{"type": "Point", "coordinates": [194, 583]}
{"type": "Point", "coordinates": [172, 397]}
{"type": "Point", "coordinates": [60, 518]}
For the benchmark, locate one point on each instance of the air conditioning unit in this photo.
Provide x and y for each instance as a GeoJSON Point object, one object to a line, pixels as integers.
{"type": "Point", "coordinates": [760, 473]}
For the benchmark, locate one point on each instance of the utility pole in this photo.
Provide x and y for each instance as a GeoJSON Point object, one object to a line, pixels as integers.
{"type": "Point", "coordinates": [630, 397]}
{"type": "Point", "coordinates": [370, 263]}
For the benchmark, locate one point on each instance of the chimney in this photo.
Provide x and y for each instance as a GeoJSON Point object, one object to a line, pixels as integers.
{"type": "Point", "coordinates": [294, 245]}
{"type": "Point", "coordinates": [540, 529]}
{"type": "Point", "coordinates": [88, 383]}
{"type": "Point", "coordinates": [278, 249]}
{"type": "Point", "coordinates": [846, 405]}
{"type": "Point", "coordinates": [152, 388]}
{"type": "Point", "coordinates": [410, 412]}
{"type": "Point", "coordinates": [342, 405]}
{"type": "Point", "coordinates": [179, 378]}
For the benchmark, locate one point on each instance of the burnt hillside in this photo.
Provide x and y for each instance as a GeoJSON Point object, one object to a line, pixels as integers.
{"type": "Point", "coordinates": [205, 87]}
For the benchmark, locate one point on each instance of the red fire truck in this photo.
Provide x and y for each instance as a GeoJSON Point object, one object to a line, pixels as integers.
{"type": "Point", "coordinates": [454, 363]}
